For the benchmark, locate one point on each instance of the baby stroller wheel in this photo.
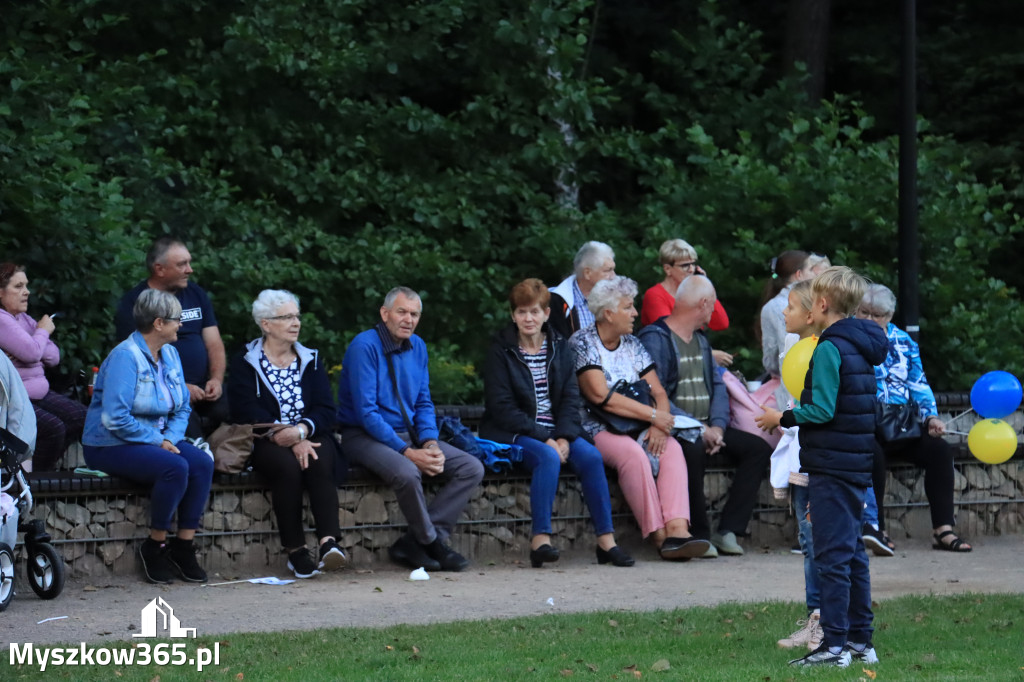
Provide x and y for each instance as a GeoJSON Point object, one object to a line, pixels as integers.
{"type": "Point", "coordinates": [45, 570]}
{"type": "Point", "coordinates": [6, 575]}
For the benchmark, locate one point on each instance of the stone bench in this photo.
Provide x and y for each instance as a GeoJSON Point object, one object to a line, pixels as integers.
{"type": "Point", "coordinates": [97, 522]}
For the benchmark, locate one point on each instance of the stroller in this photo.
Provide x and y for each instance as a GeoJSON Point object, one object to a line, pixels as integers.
{"type": "Point", "coordinates": [45, 567]}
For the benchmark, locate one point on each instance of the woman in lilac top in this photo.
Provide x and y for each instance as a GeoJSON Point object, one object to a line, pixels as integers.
{"type": "Point", "coordinates": [27, 343]}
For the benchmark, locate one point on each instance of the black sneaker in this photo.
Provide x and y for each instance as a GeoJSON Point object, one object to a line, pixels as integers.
{"type": "Point", "coordinates": [874, 540]}
{"type": "Point", "coordinates": [182, 556]}
{"type": "Point", "coordinates": [301, 563]}
{"type": "Point", "coordinates": [155, 564]}
{"type": "Point", "coordinates": [407, 552]}
{"type": "Point", "coordinates": [822, 656]}
{"type": "Point", "coordinates": [448, 558]}
{"type": "Point", "coordinates": [332, 557]}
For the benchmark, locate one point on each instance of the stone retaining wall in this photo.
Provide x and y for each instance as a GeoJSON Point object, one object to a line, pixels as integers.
{"type": "Point", "coordinates": [99, 534]}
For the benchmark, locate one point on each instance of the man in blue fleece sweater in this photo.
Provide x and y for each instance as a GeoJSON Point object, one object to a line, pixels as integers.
{"type": "Point", "coordinates": [389, 428]}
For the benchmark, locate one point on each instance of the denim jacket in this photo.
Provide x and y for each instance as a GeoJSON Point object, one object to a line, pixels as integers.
{"type": "Point", "coordinates": [127, 402]}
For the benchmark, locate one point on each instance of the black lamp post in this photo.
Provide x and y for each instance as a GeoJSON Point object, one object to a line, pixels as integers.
{"type": "Point", "coordinates": [909, 258]}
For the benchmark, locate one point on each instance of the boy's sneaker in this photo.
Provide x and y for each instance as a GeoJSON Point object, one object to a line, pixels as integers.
{"type": "Point", "coordinates": [301, 563]}
{"type": "Point", "coordinates": [332, 557]}
{"type": "Point", "coordinates": [874, 540]}
{"type": "Point", "coordinates": [155, 564]}
{"type": "Point", "coordinates": [822, 656]}
{"type": "Point", "coordinates": [862, 653]}
{"type": "Point", "coordinates": [809, 635]}
{"type": "Point", "coordinates": [182, 556]}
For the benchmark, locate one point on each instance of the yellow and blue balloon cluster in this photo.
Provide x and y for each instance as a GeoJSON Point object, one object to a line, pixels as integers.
{"type": "Point", "coordinates": [994, 396]}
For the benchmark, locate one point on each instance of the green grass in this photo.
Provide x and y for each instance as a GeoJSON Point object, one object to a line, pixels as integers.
{"type": "Point", "coordinates": [972, 637]}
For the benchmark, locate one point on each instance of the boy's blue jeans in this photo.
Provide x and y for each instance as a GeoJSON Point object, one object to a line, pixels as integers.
{"type": "Point", "coordinates": [837, 508]}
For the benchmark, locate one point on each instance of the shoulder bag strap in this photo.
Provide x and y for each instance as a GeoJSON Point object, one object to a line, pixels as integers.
{"type": "Point", "coordinates": [401, 406]}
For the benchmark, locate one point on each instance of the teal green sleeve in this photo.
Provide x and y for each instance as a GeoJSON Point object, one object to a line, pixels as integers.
{"type": "Point", "coordinates": [824, 387]}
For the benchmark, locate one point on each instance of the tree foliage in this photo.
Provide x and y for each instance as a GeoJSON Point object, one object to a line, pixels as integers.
{"type": "Point", "coordinates": [337, 149]}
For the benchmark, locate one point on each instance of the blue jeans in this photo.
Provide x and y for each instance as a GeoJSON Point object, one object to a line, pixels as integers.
{"type": "Point", "coordinates": [542, 460]}
{"type": "Point", "coordinates": [812, 593]}
{"type": "Point", "coordinates": [870, 515]}
{"type": "Point", "coordinates": [836, 508]}
{"type": "Point", "coordinates": [180, 481]}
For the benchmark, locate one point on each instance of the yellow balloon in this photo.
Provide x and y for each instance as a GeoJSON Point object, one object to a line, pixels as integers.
{"type": "Point", "coordinates": [795, 364]}
{"type": "Point", "coordinates": [993, 441]}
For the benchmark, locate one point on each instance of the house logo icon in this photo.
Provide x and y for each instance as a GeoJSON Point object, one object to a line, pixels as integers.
{"type": "Point", "coordinates": [158, 617]}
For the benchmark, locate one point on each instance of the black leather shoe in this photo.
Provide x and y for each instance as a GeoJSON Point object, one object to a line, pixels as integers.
{"type": "Point", "coordinates": [446, 557]}
{"type": "Point", "coordinates": [615, 556]}
{"type": "Point", "coordinates": [544, 553]}
{"type": "Point", "coordinates": [683, 549]}
{"type": "Point", "coordinates": [408, 552]}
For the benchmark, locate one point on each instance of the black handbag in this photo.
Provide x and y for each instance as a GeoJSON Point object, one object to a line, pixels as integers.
{"type": "Point", "coordinates": [639, 391]}
{"type": "Point", "coordinates": [895, 423]}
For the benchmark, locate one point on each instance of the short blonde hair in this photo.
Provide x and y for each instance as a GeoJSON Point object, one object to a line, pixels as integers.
{"type": "Point", "coordinates": [676, 250]}
{"type": "Point", "coordinates": [804, 294]}
{"type": "Point", "coordinates": [843, 288]}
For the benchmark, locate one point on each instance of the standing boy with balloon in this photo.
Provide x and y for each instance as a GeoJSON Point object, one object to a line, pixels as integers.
{"type": "Point", "coordinates": [836, 417]}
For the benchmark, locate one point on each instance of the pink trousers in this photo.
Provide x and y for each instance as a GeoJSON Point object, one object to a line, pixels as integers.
{"type": "Point", "coordinates": [654, 502]}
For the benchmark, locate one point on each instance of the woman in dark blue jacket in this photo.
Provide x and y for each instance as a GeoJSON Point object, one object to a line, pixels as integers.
{"type": "Point", "coordinates": [278, 380]}
{"type": "Point", "coordinates": [532, 400]}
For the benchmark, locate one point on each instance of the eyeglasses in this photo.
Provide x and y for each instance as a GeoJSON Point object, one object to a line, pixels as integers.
{"type": "Point", "coordinates": [289, 317]}
{"type": "Point", "coordinates": [686, 266]}
{"type": "Point", "coordinates": [171, 319]}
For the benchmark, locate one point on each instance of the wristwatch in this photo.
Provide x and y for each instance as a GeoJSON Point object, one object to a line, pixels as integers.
{"type": "Point", "coordinates": [303, 430]}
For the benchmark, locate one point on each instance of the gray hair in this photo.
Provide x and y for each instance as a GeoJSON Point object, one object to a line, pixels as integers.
{"type": "Point", "coordinates": [153, 304]}
{"type": "Point", "coordinates": [158, 250]}
{"type": "Point", "coordinates": [389, 300]}
{"type": "Point", "coordinates": [608, 294]}
{"type": "Point", "coordinates": [881, 298]}
{"type": "Point", "coordinates": [591, 255]}
{"type": "Point", "coordinates": [269, 302]}
{"type": "Point", "coordinates": [692, 289]}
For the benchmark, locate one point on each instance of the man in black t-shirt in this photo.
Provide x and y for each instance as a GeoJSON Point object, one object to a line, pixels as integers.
{"type": "Point", "coordinates": [199, 343]}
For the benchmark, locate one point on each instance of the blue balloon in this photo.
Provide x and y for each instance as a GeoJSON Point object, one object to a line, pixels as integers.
{"type": "Point", "coordinates": [996, 395]}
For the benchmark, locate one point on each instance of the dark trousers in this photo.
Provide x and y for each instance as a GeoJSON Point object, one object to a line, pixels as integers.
{"type": "Point", "coordinates": [836, 506]}
{"type": "Point", "coordinates": [206, 416]}
{"type": "Point", "coordinates": [59, 423]}
{"type": "Point", "coordinates": [461, 476]}
{"type": "Point", "coordinates": [181, 480]}
{"type": "Point", "coordinates": [750, 455]}
{"type": "Point", "coordinates": [936, 458]}
{"type": "Point", "coordinates": [287, 481]}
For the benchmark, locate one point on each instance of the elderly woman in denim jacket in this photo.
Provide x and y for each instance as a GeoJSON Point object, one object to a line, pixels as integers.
{"type": "Point", "coordinates": [901, 379]}
{"type": "Point", "coordinates": [135, 429]}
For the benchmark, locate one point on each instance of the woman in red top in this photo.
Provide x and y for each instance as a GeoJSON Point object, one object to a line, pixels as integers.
{"type": "Point", "coordinates": [679, 261]}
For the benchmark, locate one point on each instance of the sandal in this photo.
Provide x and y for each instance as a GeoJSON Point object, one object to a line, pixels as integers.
{"type": "Point", "coordinates": [954, 545]}
{"type": "Point", "coordinates": [888, 541]}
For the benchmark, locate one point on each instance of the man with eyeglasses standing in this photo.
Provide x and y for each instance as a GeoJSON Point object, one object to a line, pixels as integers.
{"type": "Point", "coordinates": [389, 427]}
{"type": "Point", "coordinates": [199, 342]}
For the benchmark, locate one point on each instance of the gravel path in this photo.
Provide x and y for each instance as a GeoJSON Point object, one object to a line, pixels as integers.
{"type": "Point", "coordinates": [109, 609]}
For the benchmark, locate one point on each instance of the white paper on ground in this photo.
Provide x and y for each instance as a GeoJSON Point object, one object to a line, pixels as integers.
{"type": "Point", "coordinates": [270, 580]}
{"type": "Point", "coordinates": [419, 574]}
